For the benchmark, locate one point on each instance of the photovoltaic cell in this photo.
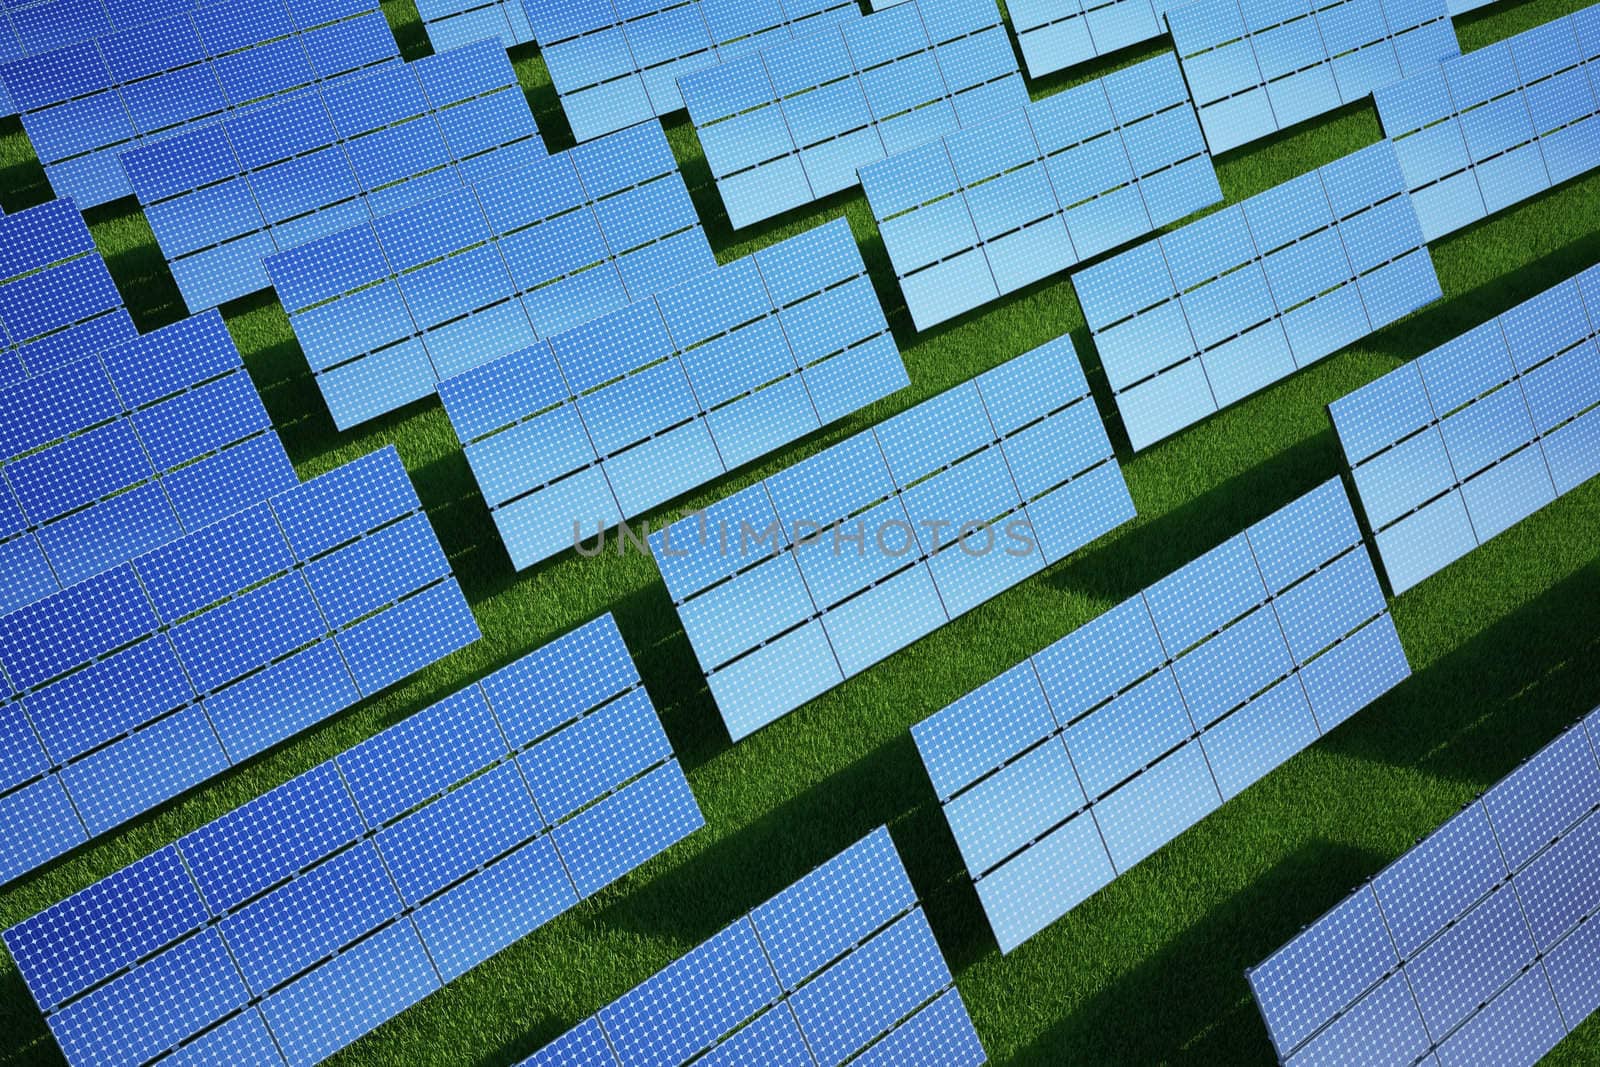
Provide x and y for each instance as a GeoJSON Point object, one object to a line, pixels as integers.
{"type": "Point", "coordinates": [58, 303]}
{"type": "Point", "coordinates": [354, 890]}
{"type": "Point", "coordinates": [387, 308]}
{"type": "Point", "coordinates": [85, 103]}
{"type": "Point", "coordinates": [1259, 66]}
{"type": "Point", "coordinates": [1071, 767]}
{"type": "Point", "coordinates": [791, 123]}
{"type": "Point", "coordinates": [617, 63]}
{"type": "Point", "coordinates": [1479, 132]}
{"type": "Point", "coordinates": [1194, 320]}
{"type": "Point", "coordinates": [113, 455]}
{"type": "Point", "coordinates": [805, 579]}
{"type": "Point", "coordinates": [1478, 434]}
{"type": "Point", "coordinates": [1004, 203]}
{"type": "Point", "coordinates": [843, 960]}
{"type": "Point", "coordinates": [453, 23]}
{"type": "Point", "coordinates": [222, 197]}
{"type": "Point", "coordinates": [130, 687]}
{"type": "Point", "coordinates": [623, 413]}
{"type": "Point", "coordinates": [1057, 34]}
{"type": "Point", "coordinates": [1463, 948]}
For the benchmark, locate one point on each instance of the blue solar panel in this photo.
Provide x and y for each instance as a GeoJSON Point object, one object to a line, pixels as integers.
{"type": "Point", "coordinates": [627, 411]}
{"type": "Point", "coordinates": [793, 122]}
{"type": "Point", "coordinates": [853, 554]}
{"type": "Point", "coordinates": [615, 65]}
{"type": "Point", "coordinates": [84, 104]}
{"type": "Point", "coordinates": [352, 890]}
{"type": "Point", "coordinates": [1057, 34]}
{"type": "Point", "coordinates": [1014, 199]}
{"type": "Point", "coordinates": [43, 26]}
{"type": "Point", "coordinates": [1479, 132]}
{"type": "Point", "coordinates": [1073, 766]}
{"type": "Point", "coordinates": [1479, 433]}
{"type": "Point", "coordinates": [1197, 319]}
{"type": "Point", "coordinates": [223, 197]}
{"type": "Point", "coordinates": [827, 967]}
{"type": "Point", "coordinates": [1448, 952]}
{"type": "Point", "coordinates": [152, 676]}
{"type": "Point", "coordinates": [453, 23]}
{"type": "Point", "coordinates": [118, 453]}
{"type": "Point", "coordinates": [1259, 66]}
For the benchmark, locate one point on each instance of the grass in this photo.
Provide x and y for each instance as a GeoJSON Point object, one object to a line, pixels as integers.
{"type": "Point", "coordinates": [1504, 645]}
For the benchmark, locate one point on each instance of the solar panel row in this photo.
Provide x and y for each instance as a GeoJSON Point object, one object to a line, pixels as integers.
{"type": "Point", "coordinates": [223, 197]}
{"type": "Point", "coordinates": [821, 971]}
{"type": "Point", "coordinates": [616, 63]}
{"type": "Point", "coordinates": [1073, 766]}
{"type": "Point", "coordinates": [126, 689]}
{"type": "Point", "coordinates": [612, 418]}
{"type": "Point", "coordinates": [387, 308]}
{"type": "Point", "coordinates": [1005, 203]}
{"type": "Point", "coordinates": [791, 586]}
{"type": "Point", "coordinates": [1495, 126]}
{"type": "Point", "coordinates": [1190, 322]}
{"type": "Point", "coordinates": [106, 458]}
{"type": "Point", "coordinates": [453, 23]}
{"type": "Point", "coordinates": [310, 915]}
{"type": "Point", "coordinates": [57, 300]}
{"type": "Point", "coordinates": [1259, 66]}
{"type": "Point", "coordinates": [1057, 34]}
{"type": "Point", "coordinates": [1455, 447]}
{"type": "Point", "coordinates": [84, 104]}
{"type": "Point", "coordinates": [1477, 946]}
{"type": "Point", "coordinates": [43, 26]}
{"type": "Point", "coordinates": [791, 123]}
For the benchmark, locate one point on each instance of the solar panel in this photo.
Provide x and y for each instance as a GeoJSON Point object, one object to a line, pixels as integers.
{"type": "Point", "coordinates": [222, 197]}
{"type": "Point", "coordinates": [386, 309]}
{"type": "Point", "coordinates": [1196, 319]}
{"type": "Point", "coordinates": [1260, 66]}
{"type": "Point", "coordinates": [805, 579]}
{"type": "Point", "coordinates": [57, 300]}
{"type": "Point", "coordinates": [616, 416]}
{"type": "Point", "coordinates": [1464, 947]}
{"type": "Point", "coordinates": [1002, 204]}
{"type": "Point", "coordinates": [360, 886]}
{"type": "Point", "coordinates": [84, 104]}
{"type": "Point", "coordinates": [453, 23]}
{"type": "Point", "coordinates": [113, 455]}
{"type": "Point", "coordinates": [1454, 448]}
{"type": "Point", "coordinates": [130, 687]}
{"type": "Point", "coordinates": [1497, 125]}
{"type": "Point", "coordinates": [840, 962]}
{"type": "Point", "coordinates": [791, 123]}
{"type": "Point", "coordinates": [1073, 766]}
{"type": "Point", "coordinates": [29, 28]}
{"type": "Point", "coordinates": [617, 64]}
{"type": "Point", "coordinates": [1057, 34]}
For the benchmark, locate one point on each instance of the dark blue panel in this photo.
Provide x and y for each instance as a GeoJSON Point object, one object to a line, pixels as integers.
{"type": "Point", "coordinates": [1470, 960]}
{"type": "Point", "coordinates": [608, 840]}
{"type": "Point", "coordinates": [1416, 904]}
{"type": "Point", "coordinates": [595, 755]}
{"type": "Point", "coordinates": [941, 1034]}
{"type": "Point", "coordinates": [556, 684]}
{"type": "Point", "coordinates": [1532, 805]}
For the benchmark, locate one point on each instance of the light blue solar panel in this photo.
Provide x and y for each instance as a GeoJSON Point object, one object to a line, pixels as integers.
{"type": "Point", "coordinates": [1056, 34]}
{"type": "Point", "coordinates": [1520, 1025]}
{"type": "Point", "coordinates": [983, 729]}
{"type": "Point", "coordinates": [1461, 968]}
{"type": "Point", "coordinates": [452, 23]}
{"type": "Point", "coordinates": [1024, 195]}
{"type": "Point", "coordinates": [1383, 1026]}
{"type": "Point", "coordinates": [1536, 803]}
{"type": "Point", "coordinates": [84, 104]}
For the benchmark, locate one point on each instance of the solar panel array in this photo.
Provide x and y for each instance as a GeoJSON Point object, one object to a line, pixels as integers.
{"type": "Point", "coordinates": [841, 961]}
{"type": "Point", "coordinates": [1005, 203]}
{"type": "Point", "coordinates": [106, 458]}
{"type": "Point", "coordinates": [1478, 434]}
{"type": "Point", "coordinates": [128, 688]}
{"type": "Point", "coordinates": [28, 28]}
{"type": "Point", "coordinates": [614, 417]}
{"type": "Point", "coordinates": [84, 104]}
{"type": "Point", "coordinates": [286, 929]}
{"type": "Point", "coordinates": [1196, 319]}
{"type": "Point", "coordinates": [616, 63]}
{"type": "Point", "coordinates": [1497, 125]}
{"type": "Point", "coordinates": [1070, 768]}
{"type": "Point", "coordinates": [57, 300]}
{"type": "Point", "coordinates": [222, 197]}
{"type": "Point", "coordinates": [453, 23]}
{"type": "Point", "coordinates": [386, 309]}
{"type": "Point", "coordinates": [1477, 946]}
{"type": "Point", "coordinates": [791, 123]}
{"type": "Point", "coordinates": [791, 586]}
{"type": "Point", "coordinates": [1057, 34]}
{"type": "Point", "coordinates": [1259, 66]}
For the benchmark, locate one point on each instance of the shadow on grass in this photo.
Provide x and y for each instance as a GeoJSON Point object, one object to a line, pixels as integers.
{"type": "Point", "coordinates": [28, 1038]}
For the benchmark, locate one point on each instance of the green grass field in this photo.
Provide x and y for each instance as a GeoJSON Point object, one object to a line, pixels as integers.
{"type": "Point", "coordinates": [1505, 645]}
